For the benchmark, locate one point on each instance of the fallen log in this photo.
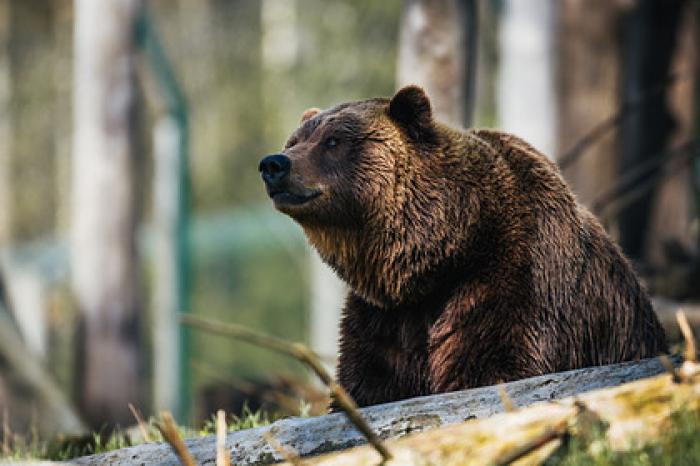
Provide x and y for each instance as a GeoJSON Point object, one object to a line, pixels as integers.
{"type": "Point", "coordinates": [627, 416]}
{"type": "Point", "coordinates": [312, 436]}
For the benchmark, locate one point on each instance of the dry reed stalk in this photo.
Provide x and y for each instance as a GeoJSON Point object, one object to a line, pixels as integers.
{"type": "Point", "coordinates": [168, 428]}
{"type": "Point", "coordinates": [223, 456]}
{"type": "Point", "coordinates": [140, 423]}
{"type": "Point", "coordinates": [301, 353]}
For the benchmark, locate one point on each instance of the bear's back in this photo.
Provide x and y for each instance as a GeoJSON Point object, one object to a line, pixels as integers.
{"type": "Point", "coordinates": [581, 284]}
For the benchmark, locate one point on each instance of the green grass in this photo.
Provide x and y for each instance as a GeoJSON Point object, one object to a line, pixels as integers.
{"type": "Point", "coordinates": [679, 446]}
{"type": "Point", "coordinates": [18, 447]}
{"type": "Point", "coordinates": [247, 420]}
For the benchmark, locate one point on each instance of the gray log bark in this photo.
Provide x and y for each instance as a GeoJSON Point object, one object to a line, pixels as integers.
{"type": "Point", "coordinates": [332, 432]}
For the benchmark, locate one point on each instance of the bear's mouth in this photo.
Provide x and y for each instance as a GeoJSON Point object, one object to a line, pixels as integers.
{"type": "Point", "coordinates": [286, 198]}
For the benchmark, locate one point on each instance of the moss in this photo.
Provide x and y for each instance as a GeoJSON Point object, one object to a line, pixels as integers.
{"type": "Point", "coordinates": [678, 446]}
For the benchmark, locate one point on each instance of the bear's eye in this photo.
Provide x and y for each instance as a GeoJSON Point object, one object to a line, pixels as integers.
{"type": "Point", "coordinates": [330, 142]}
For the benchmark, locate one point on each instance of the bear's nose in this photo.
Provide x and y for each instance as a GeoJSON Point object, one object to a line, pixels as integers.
{"type": "Point", "coordinates": [274, 168]}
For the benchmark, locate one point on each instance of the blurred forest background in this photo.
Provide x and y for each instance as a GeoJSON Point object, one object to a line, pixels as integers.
{"type": "Point", "coordinates": [102, 243]}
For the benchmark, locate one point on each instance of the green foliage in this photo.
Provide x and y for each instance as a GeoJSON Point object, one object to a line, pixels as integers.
{"type": "Point", "coordinates": [89, 446]}
{"type": "Point", "coordinates": [33, 448]}
{"type": "Point", "coordinates": [264, 290]}
{"type": "Point", "coordinates": [234, 423]}
{"type": "Point", "coordinates": [249, 69]}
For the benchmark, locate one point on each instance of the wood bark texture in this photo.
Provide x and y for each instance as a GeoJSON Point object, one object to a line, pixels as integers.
{"type": "Point", "coordinates": [432, 54]}
{"type": "Point", "coordinates": [333, 432]}
{"type": "Point", "coordinates": [628, 416]}
{"type": "Point", "coordinates": [104, 265]}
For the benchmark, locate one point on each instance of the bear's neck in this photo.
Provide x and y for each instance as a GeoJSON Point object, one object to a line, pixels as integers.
{"type": "Point", "coordinates": [358, 262]}
{"type": "Point", "coordinates": [388, 267]}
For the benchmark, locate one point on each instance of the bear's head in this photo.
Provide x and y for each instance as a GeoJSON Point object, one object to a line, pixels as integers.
{"type": "Point", "coordinates": [366, 181]}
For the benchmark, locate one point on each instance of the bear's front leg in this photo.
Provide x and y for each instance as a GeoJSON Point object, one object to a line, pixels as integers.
{"type": "Point", "coordinates": [383, 353]}
{"type": "Point", "coordinates": [484, 344]}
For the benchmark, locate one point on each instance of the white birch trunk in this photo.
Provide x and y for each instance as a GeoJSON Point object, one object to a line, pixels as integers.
{"type": "Point", "coordinates": [104, 266]}
{"type": "Point", "coordinates": [526, 92]}
{"type": "Point", "coordinates": [432, 54]}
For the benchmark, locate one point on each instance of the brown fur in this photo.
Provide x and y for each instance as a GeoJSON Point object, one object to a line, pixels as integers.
{"type": "Point", "coordinates": [469, 260]}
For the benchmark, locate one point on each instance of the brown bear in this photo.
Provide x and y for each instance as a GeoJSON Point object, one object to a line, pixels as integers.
{"type": "Point", "coordinates": [469, 260]}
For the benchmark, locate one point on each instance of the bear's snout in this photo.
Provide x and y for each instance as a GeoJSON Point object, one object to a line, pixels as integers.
{"type": "Point", "coordinates": [274, 169]}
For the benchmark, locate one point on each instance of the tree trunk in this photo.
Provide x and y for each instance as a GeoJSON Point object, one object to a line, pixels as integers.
{"type": "Point", "coordinates": [526, 100]}
{"type": "Point", "coordinates": [672, 209]}
{"type": "Point", "coordinates": [588, 74]}
{"type": "Point", "coordinates": [650, 36]}
{"type": "Point", "coordinates": [104, 260]}
{"type": "Point", "coordinates": [437, 51]}
{"type": "Point", "coordinates": [5, 126]}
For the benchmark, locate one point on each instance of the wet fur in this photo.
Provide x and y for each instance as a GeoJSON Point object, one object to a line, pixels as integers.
{"type": "Point", "coordinates": [469, 260]}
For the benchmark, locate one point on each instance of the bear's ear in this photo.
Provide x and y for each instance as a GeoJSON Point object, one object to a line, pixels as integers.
{"type": "Point", "coordinates": [310, 113]}
{"type": "Point", "coordinates": [410, 108]}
